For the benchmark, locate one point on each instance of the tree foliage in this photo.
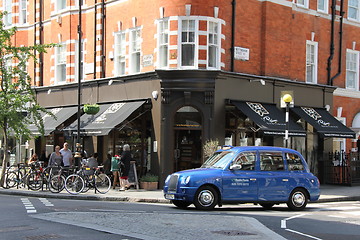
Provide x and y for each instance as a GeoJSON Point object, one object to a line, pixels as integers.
{"type": "Point", "coordinates": [18, 105]}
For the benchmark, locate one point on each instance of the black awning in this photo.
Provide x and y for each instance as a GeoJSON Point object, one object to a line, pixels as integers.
{"type": "Point", "coordinates": [106, 119]}
{"type": "Point", "coordinates": [269, 118]}
{"type": "Point", "coordinates": [324, 123]}
{"type": "Point", "coordinates": [50, 124]}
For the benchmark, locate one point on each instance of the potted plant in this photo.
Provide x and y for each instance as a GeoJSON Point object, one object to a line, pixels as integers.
{"type": "Point", "coordinates": [91, 108]}
{"type": "Point", "coordinates": [149, 182]}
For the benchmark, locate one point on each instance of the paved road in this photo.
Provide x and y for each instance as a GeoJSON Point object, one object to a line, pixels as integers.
{"type": "Point", "coordinates": [42, 218]}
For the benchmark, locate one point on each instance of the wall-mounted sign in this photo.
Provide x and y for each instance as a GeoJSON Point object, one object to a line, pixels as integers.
{"type": "Point", "coordinates": [148, 60]}
{"type": "Point", "coordinates": [241, 53]}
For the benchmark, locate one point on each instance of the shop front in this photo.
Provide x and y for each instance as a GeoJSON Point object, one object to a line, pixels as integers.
{"type": "Point", "coordinates": [167, 115]}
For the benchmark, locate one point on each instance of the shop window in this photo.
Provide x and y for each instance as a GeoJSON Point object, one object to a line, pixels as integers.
{"type": "Point", "coordinates": [311, 61]}
{"type": "Point", "coordinates": [352, 69]}
{"type": "Point", "coordinates": [163, 43]}
{"type": "Point", "coordinates": [135, 49]}
{"type": "Point", "coordinates": [60, 63]}
{"type": "Point", "coordinates": [120, 53]}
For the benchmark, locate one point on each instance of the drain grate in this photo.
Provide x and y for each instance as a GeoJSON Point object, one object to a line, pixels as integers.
{"type": "Point", "coordinates": [43, 237]}
{"type": "Point", "coordinates": [233, 233]}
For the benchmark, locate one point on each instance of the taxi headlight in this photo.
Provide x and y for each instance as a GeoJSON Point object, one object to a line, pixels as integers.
{"type": "Point", "coordinates": [167, 178]}
{"type": "Point", "coordinates": [185, 180]}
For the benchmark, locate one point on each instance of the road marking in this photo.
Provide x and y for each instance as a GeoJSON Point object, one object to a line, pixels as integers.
{"type": "Point", "coordinates": [46, 202]}
{"type": "Point", "coordinates": [28, 205]}
{"type": "Point", "coordinates": [303, 234]}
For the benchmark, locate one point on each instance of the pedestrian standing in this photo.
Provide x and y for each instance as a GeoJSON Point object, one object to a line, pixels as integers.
{"type": "Point", "coordinates": [115, 169]}
{"type": "Point", "coordinates": [125, 159]}
{"type": "Point", "coordinates": [56, 158]}
{"type": "Point", "coordinates": [67, 155]}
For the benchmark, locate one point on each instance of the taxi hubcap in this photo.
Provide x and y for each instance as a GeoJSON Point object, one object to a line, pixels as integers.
{"type": "Point", "coordinates": [298, 199]}
{"type": "Point", "coordinates": [206, 198]}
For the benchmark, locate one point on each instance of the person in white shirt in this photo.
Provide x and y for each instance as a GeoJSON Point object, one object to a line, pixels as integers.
{"type": "Point", "coordinates": [67, 155]}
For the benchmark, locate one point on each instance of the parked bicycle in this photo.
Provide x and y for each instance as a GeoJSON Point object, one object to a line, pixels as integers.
{"type": "Point", "coordinates": [57, 179]}
{"type": "Point", "coordinates": [87, 178]}
{"type": "Point", "coordinates": [16, 175]}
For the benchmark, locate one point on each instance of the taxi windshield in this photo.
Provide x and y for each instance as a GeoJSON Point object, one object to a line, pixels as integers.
{"type": "Point", "coordinates": [218, 160]}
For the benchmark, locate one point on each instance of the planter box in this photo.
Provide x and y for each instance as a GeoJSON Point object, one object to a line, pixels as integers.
{"type": "Point", "coordinates": [149, 185]}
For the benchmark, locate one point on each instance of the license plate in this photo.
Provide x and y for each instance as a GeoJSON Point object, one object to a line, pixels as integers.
{"type": "Point", "coordinates": [170, 196]}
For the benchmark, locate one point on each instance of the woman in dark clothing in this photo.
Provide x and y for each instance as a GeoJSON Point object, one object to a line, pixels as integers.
{"type": "Point", "coordinates": [125, 159]}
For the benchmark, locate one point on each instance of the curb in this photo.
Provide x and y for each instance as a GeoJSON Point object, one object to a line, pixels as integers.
{"type": "Point", "coordinates": [103, 197]}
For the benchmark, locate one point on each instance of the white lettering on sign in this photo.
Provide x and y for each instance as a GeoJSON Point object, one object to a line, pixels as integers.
{"type": "Point", "coordinates": [311, 112]}
{"type": "Point", "coordinates": [241, 53]}
{"type": "Point", "coordinates": [112, 109]}
{"type": "Point", "coordinates": [262, 112]}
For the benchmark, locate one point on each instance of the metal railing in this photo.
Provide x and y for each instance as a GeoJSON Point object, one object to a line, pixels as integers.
{"type": "Point", "coordinates": [342, 168]}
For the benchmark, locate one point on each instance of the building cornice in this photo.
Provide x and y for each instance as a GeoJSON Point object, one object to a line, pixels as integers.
{"type": "Point", "coordinates": [342, 92]}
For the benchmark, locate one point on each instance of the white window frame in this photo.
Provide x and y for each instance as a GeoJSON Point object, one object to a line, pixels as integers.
{"type": "Point", "coordinates": [60, 63]}
{"type": "Point", "coordinates": [163, 43]}
{"type": "Point", "coordinates": [23, 11]}
{"type": "Point", "coordinates": [60, 5]}
{"type": "Point", "coordinates": [135, 50]}
{"type": "Point", "coordinates": [195, 42]}
{"type": "Point", "coordinates": [312, 61]}
{"type": "Point", "coordinates": [214, 41]}
{"type": "Point", "coordinates": [7, 4]}
{"type": "Point", "coordinates": [356, 8]}
{"type": "Point", "coordinates": [352, 69]}
{"type": "Point", "coordinates": [120, 53]}
{"type": "Point", "coordinates": [325, 3]}
{"type": "Point", "coordinates": [302, 3]}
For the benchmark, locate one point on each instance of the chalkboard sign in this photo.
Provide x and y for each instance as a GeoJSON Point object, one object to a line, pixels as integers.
{"type": "Point", "coordinates": [132, 177]}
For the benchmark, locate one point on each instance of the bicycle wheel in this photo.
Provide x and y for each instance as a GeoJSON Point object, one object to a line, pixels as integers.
{"type": "Point", "coordinates": [34, 180]}
{"type": "Point", "coordinates": [102, 183]}
{"type": "Point", "coordinates": [74, 184]}
{"type": "Point", "coordinates": [12, 178]}
{"type": "Point", "coordinates": [56, 183]}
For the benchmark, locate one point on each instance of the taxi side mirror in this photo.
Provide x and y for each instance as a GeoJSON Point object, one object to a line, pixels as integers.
{"type": "Point", "coordinates": [235, 167]}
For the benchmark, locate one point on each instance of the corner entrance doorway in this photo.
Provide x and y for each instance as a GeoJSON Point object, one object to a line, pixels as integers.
{"type": "Point", "coordinates": [188, 138]}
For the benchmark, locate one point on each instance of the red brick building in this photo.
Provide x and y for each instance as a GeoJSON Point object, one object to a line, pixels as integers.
{"type": "Point", "coordinates": [189, 63]}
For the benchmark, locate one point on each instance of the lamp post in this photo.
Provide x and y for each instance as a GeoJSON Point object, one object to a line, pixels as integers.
{"type": "Point", "coordinates": [77, 155]}
{"type": "Point", "coordinates": [287, 98]}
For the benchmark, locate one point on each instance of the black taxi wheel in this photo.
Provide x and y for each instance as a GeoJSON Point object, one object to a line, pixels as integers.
{"type": "Point", "coordinates": [181, 204]}
{"type": "Point", "coordinates": [297, 200]}
{"type": "Point", "coordinates": [206, 198]}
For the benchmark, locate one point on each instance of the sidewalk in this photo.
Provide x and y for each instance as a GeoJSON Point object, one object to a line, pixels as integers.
{"type": "Point", "coordinates": [329, 193]}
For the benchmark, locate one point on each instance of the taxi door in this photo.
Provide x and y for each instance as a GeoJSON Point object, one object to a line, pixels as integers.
{"type": "Point", "coordinates": [240, 181]}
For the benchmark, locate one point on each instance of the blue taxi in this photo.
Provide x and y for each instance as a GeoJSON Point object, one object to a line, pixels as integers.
{"type": "Point", "coordinates": [253, 174]}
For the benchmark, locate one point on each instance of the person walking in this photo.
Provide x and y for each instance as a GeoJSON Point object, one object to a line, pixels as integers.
{"type": "Point", "coordinates": [125, 159]}
{"type": "Point", "coordinates": [67, 155]}
{"type": "Point", "coordinates": [56, 158]}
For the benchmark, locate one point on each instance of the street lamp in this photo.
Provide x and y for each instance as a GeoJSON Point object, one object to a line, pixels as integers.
{"type": "Point", "coordinates": [77, 155]}
{"type": "Point", "coordinates": [287, 98]}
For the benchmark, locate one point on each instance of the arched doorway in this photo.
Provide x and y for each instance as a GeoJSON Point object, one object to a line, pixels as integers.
{"type": "Point", "coordinates": [188, 138]}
